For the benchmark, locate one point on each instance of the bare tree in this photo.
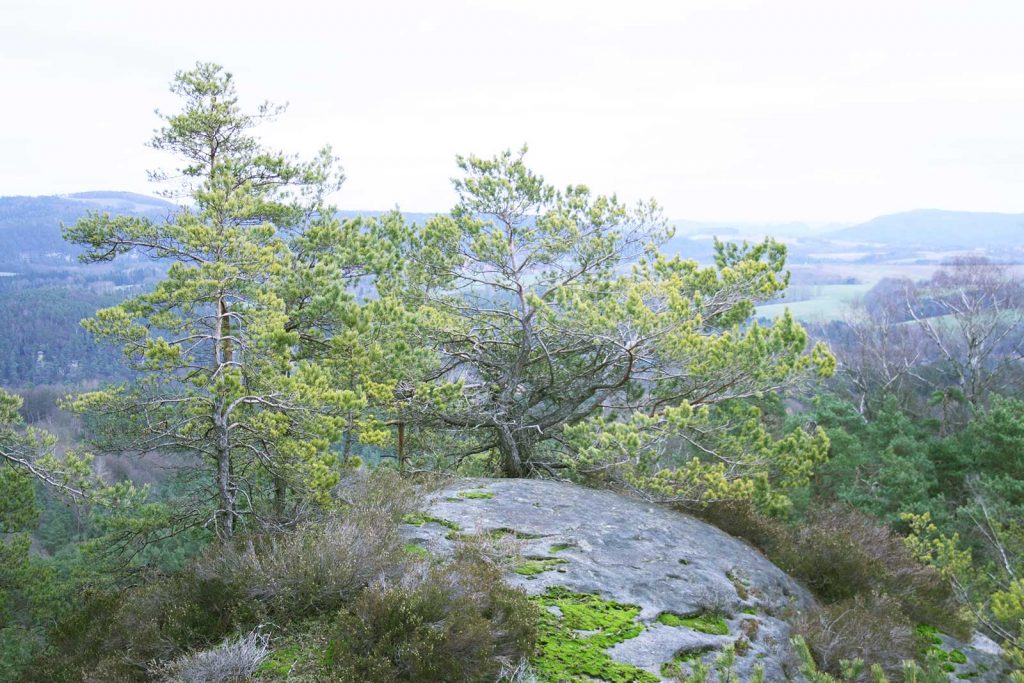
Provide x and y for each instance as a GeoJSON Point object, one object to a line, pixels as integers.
{"type": "Point", "coordinates": [972, 313]}
{"type": "Point", "coordinates": [879, 352]}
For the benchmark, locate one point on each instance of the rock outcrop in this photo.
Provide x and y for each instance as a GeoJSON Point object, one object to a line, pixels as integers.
{"type": "Point", "coordinates": [697, 588]}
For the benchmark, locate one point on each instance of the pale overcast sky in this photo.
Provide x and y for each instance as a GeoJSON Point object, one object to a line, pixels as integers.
{"type": "Point", "coordinates": [721, 109]}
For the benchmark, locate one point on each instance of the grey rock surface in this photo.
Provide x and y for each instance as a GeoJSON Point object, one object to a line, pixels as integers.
{"type": "Point", "coordinates": [982, 659]}
{"type": "Point", "coordinates": [635, 553]}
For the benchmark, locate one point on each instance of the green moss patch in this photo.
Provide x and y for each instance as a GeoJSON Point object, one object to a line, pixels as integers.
{"type": "Point", "coordinates": [298, 653]}
{"type": "Point", "coordinates": [949, 659]}
{"type": "Point", "coordinates": [416, 550]}
{"type": "Point", "coordinates": [674, 668]}
{"type": "Point", "coordinates": [538, 565]}
{"type": "Point", "coordinates": [504, 532]}
{"type": "Point", "coordinates": [929, 634]}
{"type": "Point", "coordinates": [571, 645]}
{"type": "Point", "coordinates": [931, 648]}
{"type": "Point", "coordinates": [494, 535]}
{"type": "Point", "coordinates": [559, 547]}
{"type": "Point", "coordinates": [419, 519]}
{"type": "Point", "coordinates": [281, 662]}
{"type": "Point", "coordinates": [713, 624]}
{"type": "Point", "coordinates": [475, 495]}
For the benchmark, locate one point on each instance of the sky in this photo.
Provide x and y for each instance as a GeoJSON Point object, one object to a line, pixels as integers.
{"type": "Point", "coordinates": [782, 110]}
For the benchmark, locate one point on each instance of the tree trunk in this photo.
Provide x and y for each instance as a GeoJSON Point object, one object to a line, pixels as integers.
{"type": "Point", "coordinates": [514, 455]}
{"type": "Point", "coordinates": [280, 491]}
{"type": "Point", "coordinates": [224, 331]}
{"type": "Point", "coordinates": [225, 489]}
{"type": "Point", "coordinates": [346, 440]}
{"type": "Point", "coordinates": [401, 446]}
{"type": "Point", "coordinates": [225, 485]}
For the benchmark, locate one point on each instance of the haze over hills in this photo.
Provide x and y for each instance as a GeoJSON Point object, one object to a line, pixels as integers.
{"type": "Point", "coordinates": [30, 232]}
{"type": "Point", "coordinates": [936, 228]}
{"type": "Point", "coordinates": [130, 202]}
{"type": "Point", "coordinates": [741, 229]}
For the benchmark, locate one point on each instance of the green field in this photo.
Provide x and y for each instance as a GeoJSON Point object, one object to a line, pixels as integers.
{"type": "Point", "coordinates": [816, 302]}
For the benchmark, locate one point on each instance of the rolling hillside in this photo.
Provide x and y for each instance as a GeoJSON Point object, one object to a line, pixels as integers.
{"type": "Point", "coordinates": [936, 229]}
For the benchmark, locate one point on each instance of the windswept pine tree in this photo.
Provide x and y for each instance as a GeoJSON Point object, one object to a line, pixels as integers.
{"type": "Point", "coordinates": [575, 344]}
{"type": "Point", "coordinates": [238, 350]}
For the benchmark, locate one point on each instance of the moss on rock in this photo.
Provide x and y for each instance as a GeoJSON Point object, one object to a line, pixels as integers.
{"type": "Point", "coordinates": [674, 668]}
{"type": "Point", "coordinates": [475, 495]}
{"type": "Point", "coordinates": [533, 566]}
{"type": "Point", "coordinates": [713, 624]}
{"type": "Point", "coordinates": [419, 519]}
{"type": "Point", "coordinates": [573, 643]}
{"type": "Point", "coordinates": [504, 532]}
{"type": "Point", "coordinates": [416, 550]}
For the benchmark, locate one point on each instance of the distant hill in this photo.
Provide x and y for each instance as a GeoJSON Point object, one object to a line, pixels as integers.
{"type": "Point", "coordinates": [30, 226]}
{"type": "Point", "coordinates": [128, 202]}
{"type": "Point", "coordinates": [937, 229]}
{"type": "Point", "coordinates": [746, 230]}
{"type": "Point", "coordinates": [408, 216]}
{"type": "Point", "coordinates": [30, 229]}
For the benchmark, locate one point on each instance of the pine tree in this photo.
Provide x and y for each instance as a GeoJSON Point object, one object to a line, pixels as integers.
{"type": "Point", "coordinates": [574, 343]}
{"type": "Point", "coordinates": [234, 349]}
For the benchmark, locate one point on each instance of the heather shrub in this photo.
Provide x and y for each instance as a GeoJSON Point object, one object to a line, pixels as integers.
{"type": "Point", "coordinates": [841, 554]}
{"type": "Point", "coordinates": [159, 618]}
{"type": "Point", "coordinates": [314, 568]}
{"type": "Point", "coordinates": [76, 641]}
{"type": "Point", "coordinates": [742, 521]}
{"type": "Point", "coordinates": [383, 492]}
{"type": "Point", "coordinates": [321, 563]}
{"type": "Point", "coordinates": [115, 635]}
{"type": "Point", "coordinates": [318, 566]}
{"type": "Point", "coordinates": [872, 628]}
{"type": "Point", "coordinates": [518, 672]}
{"type": "Point", "coordinates": [844, 553]}
{"type": "Point", "coordinates": [451, 622]}
{"type": "Point", "coordinates": [233, 661]}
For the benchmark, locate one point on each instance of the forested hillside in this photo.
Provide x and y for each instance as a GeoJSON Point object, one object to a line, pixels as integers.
{"type": "Point", "coordinates": [43, 342]}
